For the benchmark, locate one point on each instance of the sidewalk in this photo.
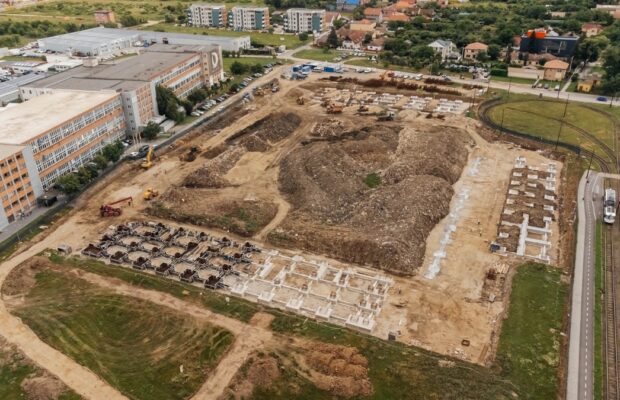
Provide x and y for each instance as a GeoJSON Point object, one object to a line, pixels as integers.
{"type": "Point", "coordinates": [18, 225]}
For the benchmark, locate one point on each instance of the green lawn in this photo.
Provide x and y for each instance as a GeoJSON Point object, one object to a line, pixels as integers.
{"type": "Point", "coordinates": [398, 371]}
{"type": "Point", "coordinates": [228, 61]}
{"type": "Point", "coordinates": [318, 54]}
{"type": "Point", "coordinates": [259, 38]}
{"type": "Point", "coordinates": [540, 118]}
{"type": "Point", "coordinates": [513, 80]}
{"type": "Point", "coordinates": [530, 341]}
{"type": "Point", "coordinates": [146, 351]}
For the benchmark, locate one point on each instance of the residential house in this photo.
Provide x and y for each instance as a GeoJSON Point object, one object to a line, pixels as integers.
{"type": "Point", "coordinates": [397, 17]}
{"type": "Point", "coordinates": [362, 26]}
{"type": "Point", "coordinates": [373, 14]}
{"type": "Point", "coordinates": [612, 9]}
{"type": "Point", "coordinates": [555, 70]}
{"type": "Point", "coordinates": [376, 45]}
{"type": "Point", "coordinates": [591, 29]}
{"type": "Point", "coordinates": [472, 50]}
{"type": "Point", "coordinates": [558, 14]}
{"type": "Point", "coordinates": [445, 48]}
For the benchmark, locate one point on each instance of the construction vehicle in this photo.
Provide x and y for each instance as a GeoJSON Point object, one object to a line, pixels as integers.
{"type": "Point", "coordinates": [388, 116]}
{"type": "Point", "coordinates": [150, 194]}
{"type": "Point", "coordinates": [148, 162]}
{"type": "Point", "coordinates": [301, 100]}
{"type": "Point", "coordinates": [108, 210]}
{"type": "Point", "coordinates": [332, 108]}
{"type": "Point", "coordinates": [259, 92]}
{"type": "Point", "coordinates": [362, 108]}
{"type": "Point", "coordinates": [191, 154]}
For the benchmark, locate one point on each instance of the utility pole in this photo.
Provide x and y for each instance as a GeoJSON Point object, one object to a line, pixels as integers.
{"type": "Point", "coordinates": [509, 86]}
{"type": "Point", "coordinates": [566, 105]}
{"type": "Point", "coordinates": [557, 140]}
{"type": "Point", "coordinates": [589, 166]}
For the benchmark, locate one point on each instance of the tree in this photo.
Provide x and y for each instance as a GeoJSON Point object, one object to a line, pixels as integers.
{"type": "Point", "coordinates": [339, 23]}
{"type": "Point", "coordinates": [367, 38]}
{"type": "Point", "coordinates": [151, 130]}
{"type": "Point", "coordinates": [494, 51]}
{"type": "Point", "coordinates": [332, 39]}
{"type": "Point", "coordinates": [100, 161]}
{"type": "Point", "coordinates": [113, 151]}
{"type": "Point", "coordinates": [197, 95]}
{"type": "Point", "coordinates": [130, 20]}
{"type": "Point", "coordinates": [611, 62]}
{"type": "Point", "coordinates": [303, 36]}
{"type": "Point", "coordinates": [84, 175]}
{"type": "Point", "coordinates": [237, 68]}
{"type": "Point", "coordinates": [483, 56]}
{"type": "Point", "coordinates": [68, 184]}
{"type": "Point", "coordinates": [256, 68]}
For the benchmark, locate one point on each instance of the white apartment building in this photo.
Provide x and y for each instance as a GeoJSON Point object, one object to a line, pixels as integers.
{"type": "Point", "coordinates": [304, 20]}
{"type": "Point", "coordinates": [249, 18]}
{"type": "Point", "coordinates": [207, 15]}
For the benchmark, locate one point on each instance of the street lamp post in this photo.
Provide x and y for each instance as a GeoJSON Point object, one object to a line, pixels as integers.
{"type": "Point", "coordinates": [566, 105]}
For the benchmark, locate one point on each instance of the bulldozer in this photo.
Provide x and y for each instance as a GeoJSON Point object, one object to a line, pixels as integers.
{"type": "Point", "coordinates": [148, 162]}
{"type": "Point", "coordinates": [108, 210]}
{"type": "Point", "coordinates": [191, 154]}
{"type": "Point", "coordinates": [150, 194]}
{"type": "Point", "coordinates": [301, 100]}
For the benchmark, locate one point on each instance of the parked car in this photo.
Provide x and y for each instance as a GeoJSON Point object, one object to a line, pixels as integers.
{"type": "Point", "coordinates": [601, 99]}
{"type": "Point", "coordinates": [557, 88]}
{"type": "Point", "coordinates": [546, 86]}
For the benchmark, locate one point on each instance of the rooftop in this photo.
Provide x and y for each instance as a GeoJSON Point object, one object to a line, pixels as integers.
{"type": "Point", "coordinates": [556, 64]}
{"type": "Point", "coordinates": [42, 113]}
{"type": "Point", "coordinates": [7, 150]}
{"type": "Point", "coordinates": [476, 46]}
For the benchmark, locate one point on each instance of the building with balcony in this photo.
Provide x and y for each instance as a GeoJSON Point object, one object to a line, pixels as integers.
{"type": "Point", "coordinates": [300, 20]}
{"type": "Point", "coordinates": [249, 18]}
{"type": "Point", "coordinates": [207, 15]}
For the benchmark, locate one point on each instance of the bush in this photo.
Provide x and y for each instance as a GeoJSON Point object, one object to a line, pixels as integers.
{"type": "Point", "coordinates": [238, 68]}
{"type": "Point", "coordinates": [151, 130]}
{"type": "Point", "coordinates": [256, 68]}
{"type": "Point", "coordinates": [499, 72]}
{"type": "Point", "coordinates": [68, 184]}
{"type": "Point", "coordinates": [303, 36]}
{"type": "Point", "coordinates": [100, 161]}
{"type": "Point", "coordinates": [372, 180]}
{"type": "Point", "coordinates": [113, 151]}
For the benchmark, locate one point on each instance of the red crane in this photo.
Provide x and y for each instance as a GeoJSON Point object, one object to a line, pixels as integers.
{"type": "Point", "coordinates": [108, 210]}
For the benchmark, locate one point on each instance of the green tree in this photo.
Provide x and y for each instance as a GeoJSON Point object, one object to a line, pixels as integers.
{"type": "Point", "coordinates": [303, 36]}
{"type": "Point", "coordinates": [100, 161]}
{"type": "Point", "coordinates": [256, 68]}
{"type": "Point", "coordinates": [113, 151]}
{"type": "Point", "coordinates": [84, 175]}
{"type": "Point", "coordinates": [151, 130]}
{"type": "Point", "coordinates": [494, 51]}
{"type": "Point", "coordinates": [197, 95]}
{"type": "Point", "coordinates": [68, 184]}
{"type": "Point", "coordinates": [611, 62]}
{"type": "Point", "coordinates": [130, 20]}
{"type": "Point", "coordinates": [238, 68]}
{"type": "Point", "coordinates": [332, 39]}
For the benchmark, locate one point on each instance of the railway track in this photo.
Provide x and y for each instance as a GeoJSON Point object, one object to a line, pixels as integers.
{"type": "Point", "coordinates": [611, 350]}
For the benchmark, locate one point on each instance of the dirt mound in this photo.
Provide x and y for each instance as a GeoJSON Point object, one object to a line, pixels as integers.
{"type": "Point", "coordinates": [210, 175]}
{"type": "Point", "coordinates": [214, 151]}
{"type": "Point", "coordinates": [270, 129]}
{"type": "Point", "coordinates": [263, 371]}
{"type": "Point", "coordinates": [211, 209]}
{"type": "Point", "coordinates": [254, 143]}
{"type": "Point", "coordinates": [341, 370]}
{"type": "Point", "coordinates": [22, 278]}
{"type": "Point", "coordinates": [372, 196]}
{"type": "Point", "coordinates": [331, 127]}
{"type": "Point", "coordinates": [42, 388]}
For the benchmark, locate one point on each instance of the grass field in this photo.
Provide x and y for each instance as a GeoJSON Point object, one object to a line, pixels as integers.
{"type": "Point", "coordinates": [258, 38]}
{"type": "Point", "coordinates": [15, 369]}
{"type": "Point", "coordinates": [318, 54]}
{"type": "Point", "coordinates": [541, 118]}
{"type": "Point", "coordinates": [530, 340]}
{"type": "Point", "coordinates": [397, 370]}
{"type": "Point", "coordinates": [136, 346]}
{"type": "Point", "coordinates": [228, 61]}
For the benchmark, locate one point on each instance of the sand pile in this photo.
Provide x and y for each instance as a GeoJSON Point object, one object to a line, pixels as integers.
{"type": "Point", "coordinates": [373, 196]}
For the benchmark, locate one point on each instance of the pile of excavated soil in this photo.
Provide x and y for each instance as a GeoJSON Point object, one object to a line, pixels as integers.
{"type": "Point", "coordinates": [331, 127]}
{"type": "Point", "coordinates": [214, 210]}
{"type": "Point", "coordinates": [210, 175]}
{"type": "Point", "coordinates": [372, 196]}
{"type": "Point", "coordinates": [340, 370]}
{"type": "Point", "coordinates": [262, 371]}
{"type": "Point", "coordinates": [270, 130]}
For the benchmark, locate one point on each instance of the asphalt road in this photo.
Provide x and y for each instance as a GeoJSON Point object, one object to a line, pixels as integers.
{"type": "Point", "coordinates": [580, 382]}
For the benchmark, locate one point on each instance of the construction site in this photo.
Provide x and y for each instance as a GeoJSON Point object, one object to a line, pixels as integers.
{"type": "Point", "coordinates": [369, 205]}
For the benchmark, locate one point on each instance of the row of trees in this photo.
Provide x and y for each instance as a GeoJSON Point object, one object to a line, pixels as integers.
{"type": "Point", "coordinates": [11, 32]}
{"type": "Point", "coordinates": [74, 182]}
{"type": "Point", "coordinates": [239, 68]}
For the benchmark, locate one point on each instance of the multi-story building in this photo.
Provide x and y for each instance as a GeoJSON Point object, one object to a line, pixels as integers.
{"type": "Point", "coordinates": [539, 42]}
{"type": "Point", "coordinates": [208, 15]}
{"type": "Point", "coordinates": [180, 68]}
{"type": "Point", "coordinates": [106, 43]}
{"type": "Point", "coordinates": [19, 182]}
{"type": "Point", "coordinates": [105, 17]}
{"type": "Point", "coordinates": [60, 131]}
{"type": "Point", "coordinates": [304, 20]}
{"type": "Point", "coordinates": [249, 18]}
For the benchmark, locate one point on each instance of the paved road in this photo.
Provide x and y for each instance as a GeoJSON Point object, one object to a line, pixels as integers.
{"type": "Point", "coordinates": [580, 382]}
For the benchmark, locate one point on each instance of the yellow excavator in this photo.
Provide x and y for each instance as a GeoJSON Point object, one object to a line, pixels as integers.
{"type": "Point", "coordinates": [150, 194]}
{"type": "Point", "coordinates": [148, 162]}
